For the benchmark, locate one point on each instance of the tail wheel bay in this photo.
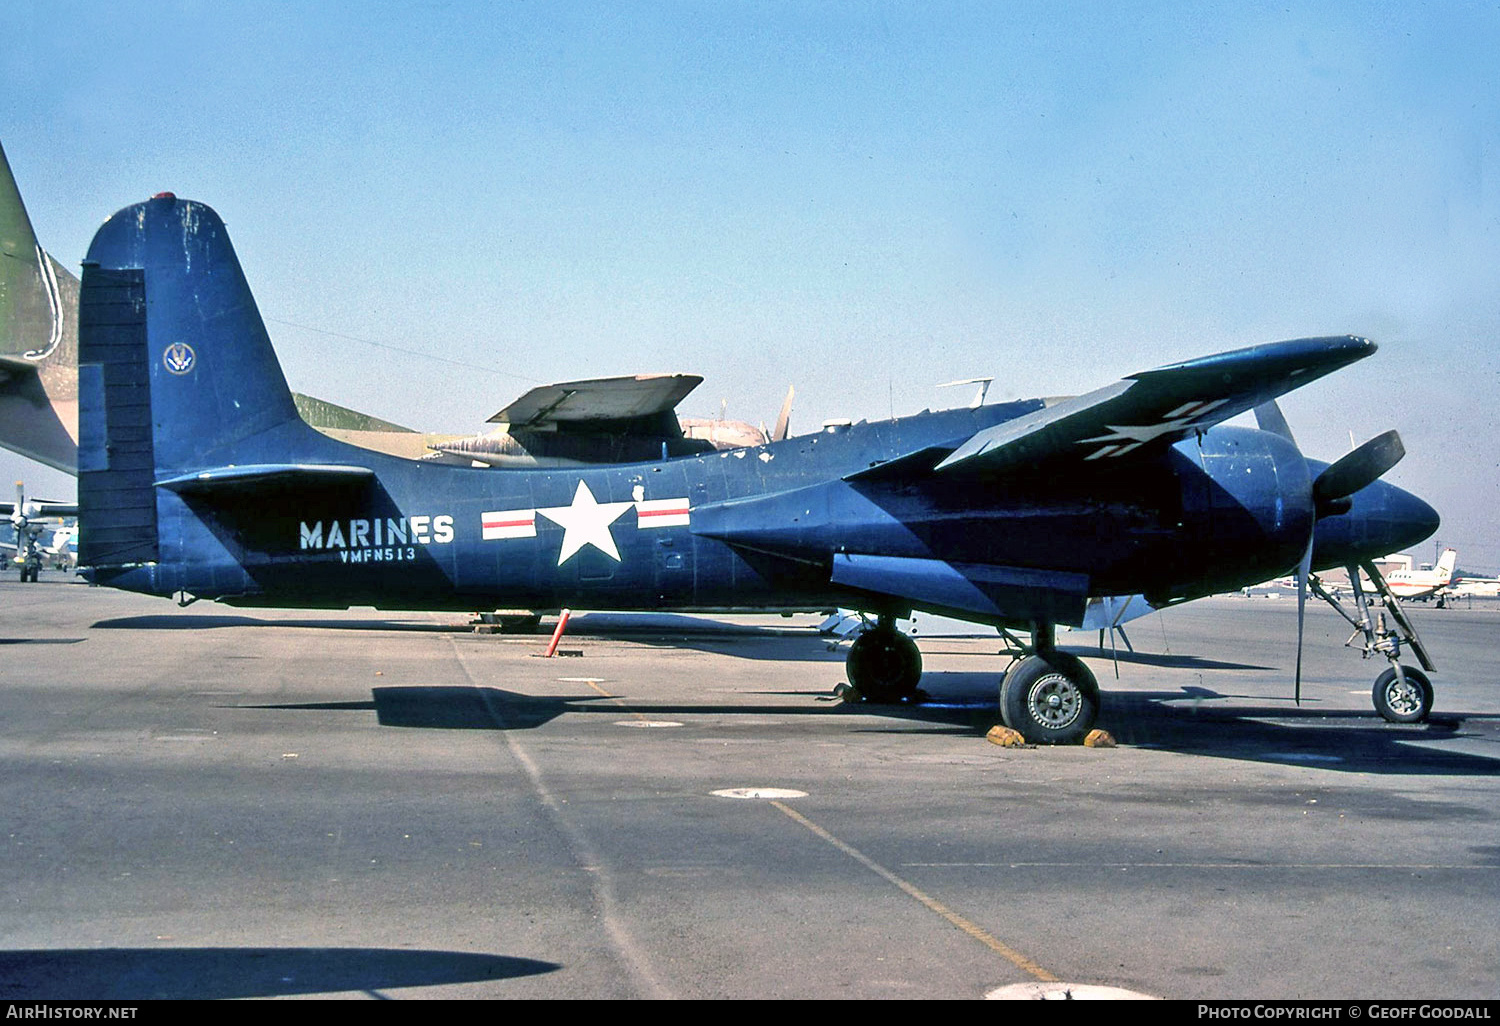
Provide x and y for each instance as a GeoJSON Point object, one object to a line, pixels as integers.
{"type": "Point", "coordinates": [1051, 698]}
{"type": "Point", "coordinates": [884, 665]}
{"type": "Point", "coordinates": [1404, 697]}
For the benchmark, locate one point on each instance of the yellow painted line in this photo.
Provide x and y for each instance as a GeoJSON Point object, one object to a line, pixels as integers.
{"type": "Point", "coordinates": [617, 700]}
{"type": "Point", "coordinates": [996, 945]}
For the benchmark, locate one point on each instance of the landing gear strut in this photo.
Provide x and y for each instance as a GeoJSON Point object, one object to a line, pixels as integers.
{"type": "Point", "coordinates": [1402, 693]}
{"type": "Point", "coordinates": [884, 664]}
{"type": "Point", "coordinates": [1050, 697]}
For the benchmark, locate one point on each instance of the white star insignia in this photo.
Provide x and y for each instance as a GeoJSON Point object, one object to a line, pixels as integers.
{"type": "Point", "coordinates": [1127, 437]}
{"type": "Point", "coordinates": [1141, 433]}
{"type": "Point", "coordinates": [586, 522]}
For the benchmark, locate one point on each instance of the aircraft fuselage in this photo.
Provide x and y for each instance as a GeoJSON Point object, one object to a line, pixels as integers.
{"type": "Point", "coordinates": [751, 528]}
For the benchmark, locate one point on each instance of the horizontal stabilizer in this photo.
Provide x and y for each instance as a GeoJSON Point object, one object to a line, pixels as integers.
{"type": "Point", "coordinates": [267, 477]}
{"type": "Point", "coordinates": [1154, 409]}
{"type": "Point", "coordinates": [986, 592]}
{"type": "Point", "coordinates": [324, 415]}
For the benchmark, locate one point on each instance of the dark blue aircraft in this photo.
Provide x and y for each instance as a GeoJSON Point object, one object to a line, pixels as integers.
{"type": "Point", "coordinates": [198, 479]}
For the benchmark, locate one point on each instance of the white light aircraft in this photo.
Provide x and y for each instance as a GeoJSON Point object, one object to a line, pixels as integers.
{"type": "Point", "coordinates": [1419, 584]}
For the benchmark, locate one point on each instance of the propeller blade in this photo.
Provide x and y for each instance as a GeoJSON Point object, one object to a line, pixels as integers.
{"type": "Point", "coordinates": [784, 419]}
{"type": "Point", "coordinates": [1359, 468]}
{"type": "Point", "coordinates": [1268, 417]}
{"type": "Point", "coordinates": [1304, 570]}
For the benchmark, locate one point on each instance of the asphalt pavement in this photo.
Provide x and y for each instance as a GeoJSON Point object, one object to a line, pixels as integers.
{"type": "Point", "coordinates": [211, 802]}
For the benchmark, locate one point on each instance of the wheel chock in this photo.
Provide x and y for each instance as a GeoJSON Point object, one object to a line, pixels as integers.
{"type": "Point", "coordinates": [1005, 737]}
{"type": "Point", "coordinates": [1099, 739]}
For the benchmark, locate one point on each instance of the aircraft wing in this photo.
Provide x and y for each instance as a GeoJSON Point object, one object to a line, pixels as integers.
{"type": "Point", "coordinates": [598, 399]}
{"type": "Point", "coordinates": [13, 368]}
{"type": "Point", "coordinates": [42, 508]}
{"type": "Point", "coordinates": [1149, 411]}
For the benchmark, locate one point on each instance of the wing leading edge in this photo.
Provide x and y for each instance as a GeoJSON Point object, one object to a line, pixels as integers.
{"type": "Point", "coordinates": [1149, 411]}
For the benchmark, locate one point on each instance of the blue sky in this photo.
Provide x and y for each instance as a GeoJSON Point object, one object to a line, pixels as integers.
{"type": "Point", "coordinates": [861, 199]}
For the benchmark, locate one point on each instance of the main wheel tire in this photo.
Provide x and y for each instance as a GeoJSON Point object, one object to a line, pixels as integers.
{"type": "Point", "coordinates": [1398, 703]}
{"type": "Point", "coordinates": [884, 665]}
{"type": "Point", "coordinates": [1051, 699]}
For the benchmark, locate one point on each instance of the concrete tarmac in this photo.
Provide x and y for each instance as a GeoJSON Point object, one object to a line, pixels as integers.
{"type": "Point", "coordinates": [211, 803]}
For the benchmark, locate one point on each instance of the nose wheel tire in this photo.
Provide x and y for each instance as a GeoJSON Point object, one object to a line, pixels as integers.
{"type": "Point", "coordinates": [884, 665]}
{"type": "Point", "coordinates": [1051, 699]}
{"type": "Point", "coordinates": [1407, 701]}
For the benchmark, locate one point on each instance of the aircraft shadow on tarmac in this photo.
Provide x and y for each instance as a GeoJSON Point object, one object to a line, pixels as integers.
{"type": "Point", "coordinates": [40, 641]}
{"type": "Point", "coordinates": [215, 621]}
{"type": "Point", "coordinates": [803, 644]}
{"type": "Point", "coordinates": [963, 704]}
{"type": "Point", "coordinates": [1163, 661]}
{"type": "Point", "coordinates": [1341, 740]}
{"type": "Point", "coordinates": [644, 627]}
{"type": "Point", "coordinates": [445, 707]}
{"type": "Point", "coordinates": [123, 974]}
{"type": "Point", "coordinates": [654, 630]}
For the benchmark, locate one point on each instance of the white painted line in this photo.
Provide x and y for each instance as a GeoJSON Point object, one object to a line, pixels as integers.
{"type": "Point", "coordinates": [647, 723]}
{"type": "Point", "coordinates": [759, 792]}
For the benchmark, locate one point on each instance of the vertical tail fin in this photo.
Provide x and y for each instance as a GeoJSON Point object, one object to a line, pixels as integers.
{"type": "Point", "coordinates": [30, 311]}
{"type": "Point", "coordinates": [176, 372]}
{"type": "Point", "coordinates": [1446, 564]}
{"type": "Point", "coordinates": [214, 381]}
{"type": "Point", "coordinates": [38, 338]}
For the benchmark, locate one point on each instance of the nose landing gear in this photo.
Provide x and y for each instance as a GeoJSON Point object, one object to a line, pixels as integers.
{"type": "Point", "coordinates": [1402, 693]}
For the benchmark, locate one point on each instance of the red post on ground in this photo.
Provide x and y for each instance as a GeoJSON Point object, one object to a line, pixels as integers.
{"type": "Point", "coordinates": [562, 625]}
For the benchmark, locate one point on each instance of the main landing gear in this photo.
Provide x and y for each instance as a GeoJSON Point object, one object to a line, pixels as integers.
{"type": "Point", "coordinates": [1050, 697]}
{"type": "Point", "coordinates": [1402, 693]}
{"type": "Point", "coordinates": [884, 664]}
